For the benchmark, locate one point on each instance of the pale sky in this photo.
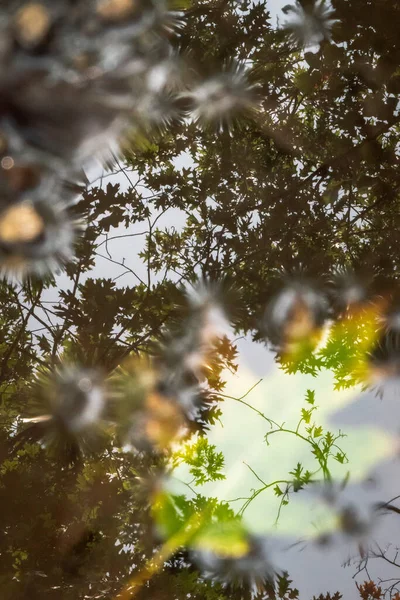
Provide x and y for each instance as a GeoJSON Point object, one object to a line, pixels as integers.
{"type": "Point", "coordinates": [371, 449]}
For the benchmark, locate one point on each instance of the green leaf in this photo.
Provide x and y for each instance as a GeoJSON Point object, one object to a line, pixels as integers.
{"type": "Point", "coordinates": [340, 457]}
{"type": "Point", "coordinates": [310, 396]}
{"type": "Point", "coordinates": [317, 431]}
{"type": "Point", "coordinates": [306, 415]}
{"type": "Point", "coordinates": [204, 461]}
{"type": "Point", "coordinates": [44, 344]}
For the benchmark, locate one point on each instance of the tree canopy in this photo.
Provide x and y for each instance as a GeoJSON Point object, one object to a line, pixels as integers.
{"type": "Point", "coordinates": [277, 163]}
